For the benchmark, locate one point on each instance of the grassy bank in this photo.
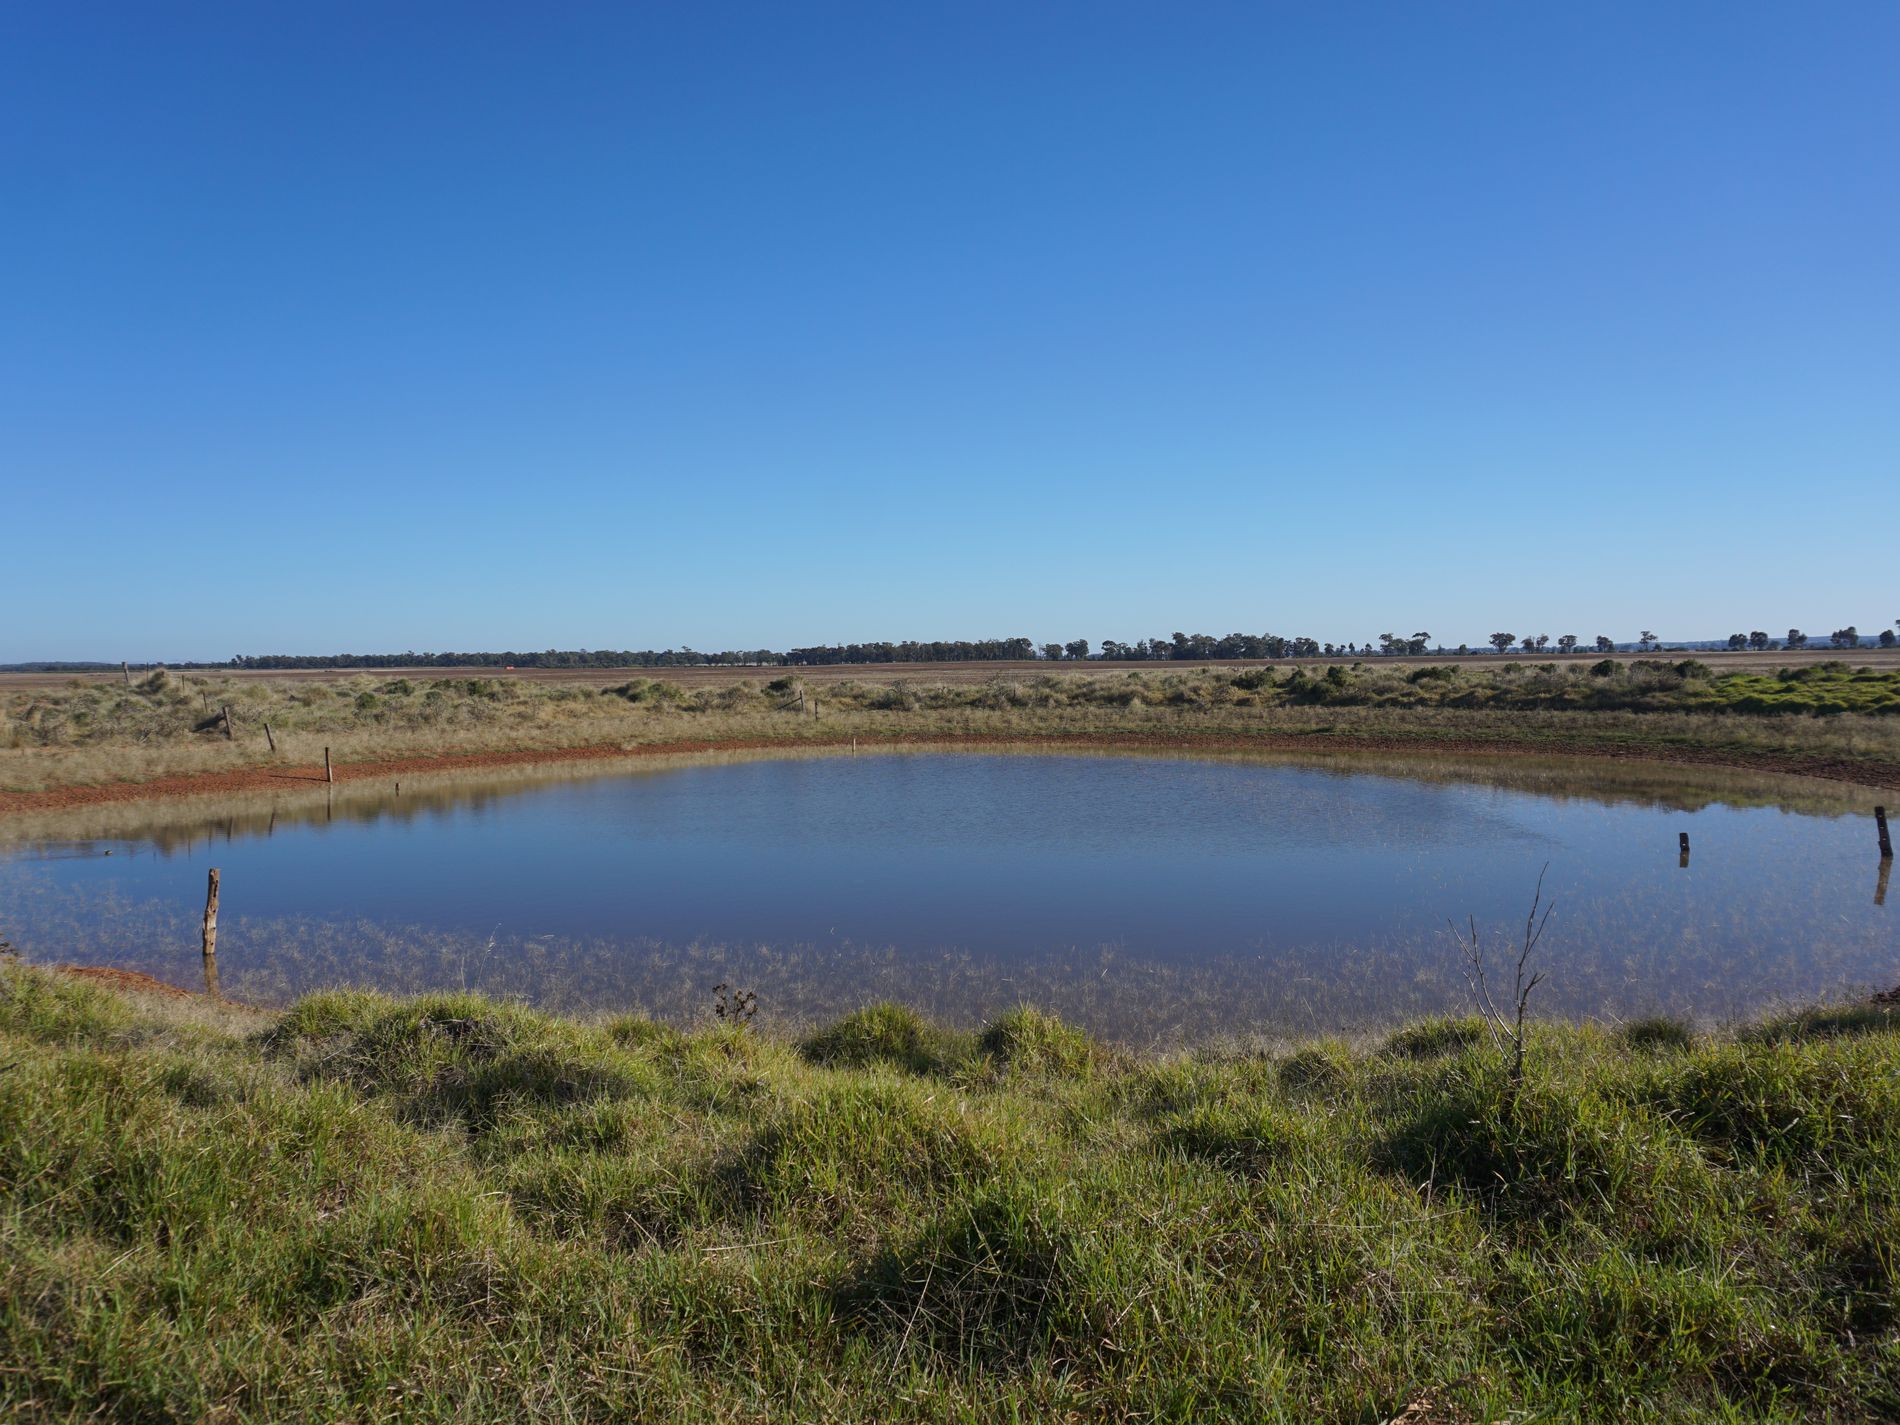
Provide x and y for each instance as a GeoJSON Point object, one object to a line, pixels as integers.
{"type": "Point", "coordinates": [448, 1208]}
{"type": "Point", "coordinates": [1825, 717]}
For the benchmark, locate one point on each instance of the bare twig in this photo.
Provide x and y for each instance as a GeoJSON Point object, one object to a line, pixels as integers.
{"type": "Point", "coordinates": [1506, 1026]}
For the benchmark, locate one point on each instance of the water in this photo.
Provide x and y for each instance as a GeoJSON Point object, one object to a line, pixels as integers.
{"type": "Point", "coordinates": [1148, 897]}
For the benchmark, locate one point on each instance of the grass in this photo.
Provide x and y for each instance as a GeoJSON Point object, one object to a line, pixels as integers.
{"type": "Point", "coordinates": [170, 724]}
{"type": "Point", "coordinates": [451, 1208]}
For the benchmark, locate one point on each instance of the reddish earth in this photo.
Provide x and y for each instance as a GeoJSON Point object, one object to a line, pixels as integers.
{"type": "Point", "coordinates": [268, 778]}
{"type": "Point", "coordinates": [126, 980]}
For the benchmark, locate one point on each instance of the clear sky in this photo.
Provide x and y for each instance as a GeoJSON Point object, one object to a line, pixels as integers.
{"type": "Point", "coordinates": [372, 326]}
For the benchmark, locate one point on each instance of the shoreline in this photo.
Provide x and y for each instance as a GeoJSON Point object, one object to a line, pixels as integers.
{"type": "Point", "coordinates": [264, 778]}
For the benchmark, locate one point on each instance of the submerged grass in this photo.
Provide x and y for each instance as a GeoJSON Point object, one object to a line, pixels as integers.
{"type": "Point", "coordinates": [174, 724]}
{"type": "Point", "coordinates": [451, 1208]}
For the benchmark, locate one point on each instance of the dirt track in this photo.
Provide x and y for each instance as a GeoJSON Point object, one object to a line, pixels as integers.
{"type": "Point", "coordinates": [958, 672]}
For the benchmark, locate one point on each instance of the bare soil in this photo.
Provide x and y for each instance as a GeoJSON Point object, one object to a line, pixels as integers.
{"type": "Point", "coordinates": [129, 981]}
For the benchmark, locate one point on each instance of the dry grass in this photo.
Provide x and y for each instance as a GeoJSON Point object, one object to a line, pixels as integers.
{"type": "Point", "coordinates": [88, 733]}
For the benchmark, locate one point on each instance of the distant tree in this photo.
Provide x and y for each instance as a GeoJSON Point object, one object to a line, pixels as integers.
{"type": "Point", "coordinates": [1543, 639]}
{"type": "Point", "coordinates": [1797, 639]}
{"type": "Point", "coordinates": [1644, 642]}
{"type": "Point", "coordinates": [1077, 648]}
{"type": "Point", "coordinates": [1464, 651]}
{"type": "Point", "coordinates": [1417, 643]}
{"type": "Point", "coordinates": [1567, 643]}
{"type": "Point", "coordinates": [1503, 641]}
{"type": "Point", "coordinates": [1848, 637]}
{"type": "Point", "coordinates": [1052, 651]}
{"type": "Point", "coordinates": [1758, 640]}
{"type": "Point", "coordinates": [1605, 644]}
{"type": "Point", "coordinates": [1389, 644]}
{"type": "Point", "coordinates": [1737, 642]}
{"type": "Point", "coordinates": [1887, 639]}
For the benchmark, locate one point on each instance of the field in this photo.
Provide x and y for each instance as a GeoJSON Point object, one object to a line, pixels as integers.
{"type": "Point", "coordinates": [960, 673]}
{"type": "Point", "coordinates": [167, 732]}
{"type": "Point", "coordinates": [454, 1209]}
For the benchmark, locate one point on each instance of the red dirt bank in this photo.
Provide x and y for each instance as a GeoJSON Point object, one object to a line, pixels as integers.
{"type": "Point", "coordinates": [252, 779]}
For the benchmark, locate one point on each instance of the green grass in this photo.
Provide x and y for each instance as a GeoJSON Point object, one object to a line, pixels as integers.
{"type": "Point", "coordinates": [449, 1208]}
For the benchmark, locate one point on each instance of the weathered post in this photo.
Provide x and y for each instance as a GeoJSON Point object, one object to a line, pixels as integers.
{"type": "Point", "coordinates": [126, 669]}
{"type": "Point", "coordinates": [1682, 840]}
{"type": "Point", "coordinates": [329, 773]}
{"type": "Point", "coordinates": [268, 738]}
{"type": "Point", "coordinates": [211, 916]}
{"type": "Point", "coordinates": [1880, 829]}
{"type": "Point", "coordinates": [225, 708]}
{"type": "Point", "coordinates": [1880, 881]}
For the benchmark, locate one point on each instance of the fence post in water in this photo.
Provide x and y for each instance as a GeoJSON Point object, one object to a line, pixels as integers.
{"type": "Point", "coordinates": [211, 914]}
{"type": "Point", "coordinates": [1880, 881]}
{"type": "Point", "coordinates": [1682, 840]}
{"type": "Point", "coordinates": [328, 774]}
{"type": "Point", "coordinates": [1880, 829]}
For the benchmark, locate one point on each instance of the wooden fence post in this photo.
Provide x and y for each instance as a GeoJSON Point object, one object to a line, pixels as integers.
{"type": "Point", "coordinates": [268, 738]}
{"type": "Point", "coordinates": [1880, 829]}
{"type": "Point", "coordinates": [225, 708]}
{"type": "Point", "coordinates": [328, 774]}
{"type": "Point", "coordinates": [126, 669]}
{"type": "Point", "coordinates": [211, 916]}
{"type": "Point", "coordinates": [1682, 840]}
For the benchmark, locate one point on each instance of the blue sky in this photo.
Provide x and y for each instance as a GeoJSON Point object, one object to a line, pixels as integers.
{"type": "Point", "coordinates": [377, 327]}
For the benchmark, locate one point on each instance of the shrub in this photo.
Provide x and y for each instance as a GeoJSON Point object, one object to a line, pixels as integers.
{"type": "Point", "coordinates": [1606, 668]}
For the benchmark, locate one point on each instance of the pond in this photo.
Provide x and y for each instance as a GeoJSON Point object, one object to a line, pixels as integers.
{"type": "Point", "coordinates": [1151, 898]}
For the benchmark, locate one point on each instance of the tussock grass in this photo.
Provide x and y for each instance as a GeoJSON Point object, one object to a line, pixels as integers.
{"type": "Point", "coordinates": [171, 724]}
{"type": "Point", "coordinates": [450, 1208]}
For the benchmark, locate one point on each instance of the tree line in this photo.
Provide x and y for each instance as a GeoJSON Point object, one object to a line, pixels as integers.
{"type": "Point", "coordinates": [1179, 647]}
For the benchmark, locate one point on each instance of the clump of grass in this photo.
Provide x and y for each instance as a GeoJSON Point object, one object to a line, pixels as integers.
{"type": "Point", "coordinates": [1315, 1068]}
{"type": "Point", "coordinates": [1430, 1038]}
{"type": "Point", "coordinates": [1027, 1041]}
{"type": "Point", "coordinates": [1656, 1033]}
{"type": "Point", "coordinates": [889, 1034]}
{"type": "Point", "coordinates": [1249, 1137]}
{"type": "Point", "coordinates": [993, 1281]}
